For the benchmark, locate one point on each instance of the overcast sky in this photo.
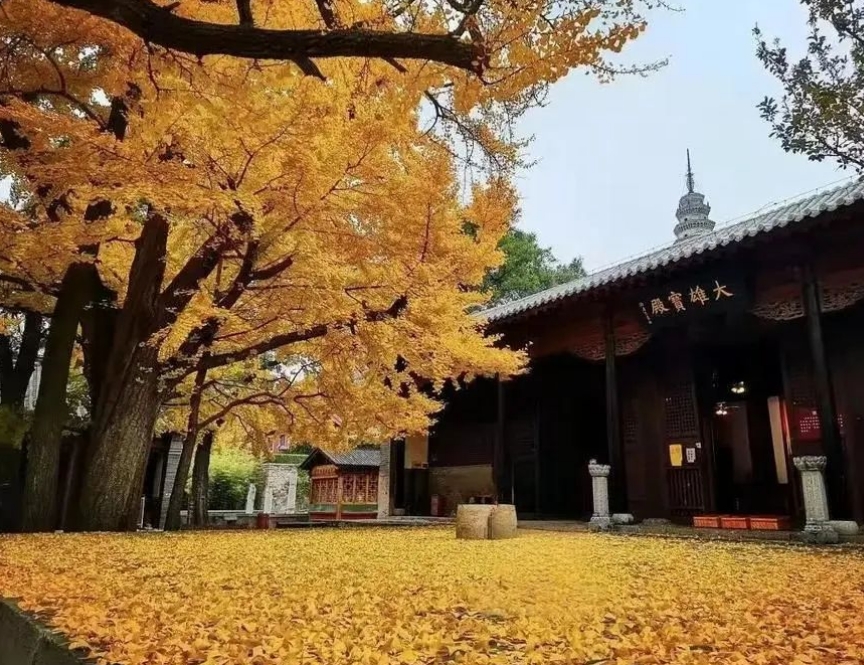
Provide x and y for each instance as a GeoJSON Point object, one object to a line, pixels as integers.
{"type": "Point", "coordinates": [612, 157]}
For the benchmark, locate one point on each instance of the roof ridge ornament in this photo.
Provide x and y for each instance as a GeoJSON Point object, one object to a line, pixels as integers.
{"type": "Point", "coordinates": [693, 211]}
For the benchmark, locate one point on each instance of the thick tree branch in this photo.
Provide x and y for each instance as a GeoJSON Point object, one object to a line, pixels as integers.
{"type": "Point", "coordinates": [228, 299]}
{"type": "Point", "coordinates": [22, 284]}
{"type": "Point", "coordinates": [255, 399]}
{"type": "Point", "coordinates": [222, 359]}
{"type": "Point", "coordinates": [328, 13]}
{"type": "Point", "coordinates": [157, 26]}
{"type": "Point", "coordinates": [273, 270]}
{"type": "Point", "coordinates": [185, 283]}
{"type": "Point", "coordinates": [28, 351]}
{"type": "Point", "coordinates": [244, 11]}
{"type": "Point", "coordinates": [205, 334]}
{"type": "Point", "coordinates": [297, 336]}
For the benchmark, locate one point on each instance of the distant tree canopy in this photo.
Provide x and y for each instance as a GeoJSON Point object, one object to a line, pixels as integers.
{"type": "Point", "coordinates": [820, 111]}
{"type": "Point", "coordinates": [527, 268]}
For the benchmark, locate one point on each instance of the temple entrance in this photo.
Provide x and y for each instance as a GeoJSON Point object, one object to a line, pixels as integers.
{"type": "Point", "coordinates": [740, 389]}
{"type": "Point", "coordinates": [555, 424]}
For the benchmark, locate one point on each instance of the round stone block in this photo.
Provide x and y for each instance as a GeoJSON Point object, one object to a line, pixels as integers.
{"type": "Point", "coordinates": [502, 522]}
{"type": "Point", "coordinates": [472, 521]}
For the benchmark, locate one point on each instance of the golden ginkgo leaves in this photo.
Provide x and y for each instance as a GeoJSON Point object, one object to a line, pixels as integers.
{"type": "Point", "coordinates": [419, 596]}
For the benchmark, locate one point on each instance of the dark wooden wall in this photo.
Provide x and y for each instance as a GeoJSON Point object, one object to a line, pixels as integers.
{"type": "Point", "coordinates": [845, 341]}
{"type": "Point", "coordinates": [643, 433]}
{"type": "Point", "coordinates": [464, 433]}
{"type": "Point", "coordinates": [570, 411]}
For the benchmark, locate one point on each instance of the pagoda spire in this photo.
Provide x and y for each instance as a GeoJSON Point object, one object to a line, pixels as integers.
{"type": "Point", "coordinates": [693, 210]}
{"type": "Point", "coordinates": [691, 182]}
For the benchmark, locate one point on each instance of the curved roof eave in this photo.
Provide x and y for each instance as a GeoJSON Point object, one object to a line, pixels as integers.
{"type": "Point", "coordinates": [780, 217]}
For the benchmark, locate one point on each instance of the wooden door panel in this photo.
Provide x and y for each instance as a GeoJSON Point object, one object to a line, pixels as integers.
{"type": "Point", "coordinates": [521, 441]}
{"type": "Point", "coordinates": [686, 479]}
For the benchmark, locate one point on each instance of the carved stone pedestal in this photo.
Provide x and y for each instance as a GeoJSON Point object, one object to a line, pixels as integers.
{"type": "Point", "coordinates": [817, 528]}
{"type": "Point", "coordinates": [601, 519]}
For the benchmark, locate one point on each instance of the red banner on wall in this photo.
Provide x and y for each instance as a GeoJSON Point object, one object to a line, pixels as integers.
{"type": "Point", "coordinates": [806, 425]}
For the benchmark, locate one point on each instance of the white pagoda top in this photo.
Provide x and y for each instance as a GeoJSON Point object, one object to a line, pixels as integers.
{"type": "Point", "coordinates": [693, 211]}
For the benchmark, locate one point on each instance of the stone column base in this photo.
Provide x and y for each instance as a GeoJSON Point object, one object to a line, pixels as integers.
{"type": "Point", "coordinates": [844, 527]}
{"type": "Point", "coordinates": [600, 523]}
{"type": "Point", "coordinates": [819, 533]}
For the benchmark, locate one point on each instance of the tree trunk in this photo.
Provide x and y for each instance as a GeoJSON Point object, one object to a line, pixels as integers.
{"type": "Point", "coordinates": [15, 375]}
{"type": "Point", "coordinates": [175, 504]}
{"type": "Point", "coordinates": [72, 474]}
{"type": "Point", "coordinates": [129, 399]}
{"type": "Point", "coordinates": [98, 327]}
{"type": "Point", "coordinates": [201, 481]}
{"type": "Point", "coordinates": [39, 511]}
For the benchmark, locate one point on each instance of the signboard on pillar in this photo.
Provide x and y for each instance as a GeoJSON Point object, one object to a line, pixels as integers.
{"type": "Point", "coordinates": [689, 299]}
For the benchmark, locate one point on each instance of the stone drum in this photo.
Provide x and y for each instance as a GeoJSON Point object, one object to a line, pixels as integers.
{"type": "Point", "coordinates": [472, 521]}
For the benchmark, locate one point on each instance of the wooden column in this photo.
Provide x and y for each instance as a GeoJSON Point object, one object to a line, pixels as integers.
{"type": "Point", "coordinates": [831, 441]}
{"type": "Point", "coordinates": [615, 451]}
{"type": "Point", "coordinates": [500, 457]}
{"type": "Point", "coordinates": [339, 488]}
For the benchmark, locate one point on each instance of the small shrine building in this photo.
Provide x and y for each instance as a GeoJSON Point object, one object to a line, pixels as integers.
{"type": "Point", "coordinates": [344, 486]}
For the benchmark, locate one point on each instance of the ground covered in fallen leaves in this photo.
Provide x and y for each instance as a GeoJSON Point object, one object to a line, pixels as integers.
{"type": "Point", "coordinates": [419, 596]}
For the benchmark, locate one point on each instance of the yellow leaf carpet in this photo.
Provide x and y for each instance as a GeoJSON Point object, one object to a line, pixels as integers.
{"type": "Point", "coordinates": [419, 596]}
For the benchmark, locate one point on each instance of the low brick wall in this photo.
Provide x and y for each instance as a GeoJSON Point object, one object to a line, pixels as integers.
{"type": "Point", "coordinates": [24, 641]}
{"type": "Point", "coordinates": [455, 484]}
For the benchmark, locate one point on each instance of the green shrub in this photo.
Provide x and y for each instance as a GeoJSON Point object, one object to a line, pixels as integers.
{"type": "Point", "coordinates": [231, 472]}
{"type": "Point", "coordinates": [304, 488]}
{"type": "Point", "coordinates": [290, 458]}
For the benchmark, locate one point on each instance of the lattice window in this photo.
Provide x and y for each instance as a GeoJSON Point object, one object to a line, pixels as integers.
{"type": "Point", "coordinates": [325, 490]}
{"type": "Point", "coordinates": [359, 488]}
{"type": "Point", "coordinates": [319, 491]}
{"type": "Point", "coordinates": [686, 493]}
{"type": "Point", "coordinates": [680, 411]}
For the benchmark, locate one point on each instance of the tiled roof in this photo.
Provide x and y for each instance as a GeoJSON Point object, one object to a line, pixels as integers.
{"type": "Point", "coordinates": [356, 457]}
{"type": "Point", "coordinates": [777, 218]}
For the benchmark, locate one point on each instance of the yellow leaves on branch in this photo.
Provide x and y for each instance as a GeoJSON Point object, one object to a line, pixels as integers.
{"type": "Point", "coordinates": [411, 597]}
{"type": "Point", "coordinates": [330, 201]}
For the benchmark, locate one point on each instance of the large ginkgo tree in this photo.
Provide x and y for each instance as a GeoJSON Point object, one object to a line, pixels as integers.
{"type": "Point", "coordinates": [183, 213]}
